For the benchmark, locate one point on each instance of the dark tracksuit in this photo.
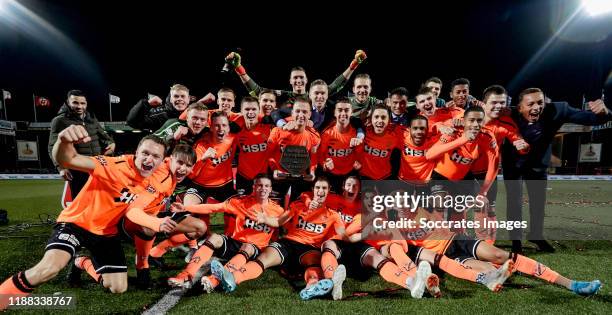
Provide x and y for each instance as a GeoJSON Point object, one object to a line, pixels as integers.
{"type": "Point", "coordinates": [532, 167]}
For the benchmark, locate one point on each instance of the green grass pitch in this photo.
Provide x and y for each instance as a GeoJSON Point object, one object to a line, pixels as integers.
{"type": "Point", "coordinates": [26, 200]}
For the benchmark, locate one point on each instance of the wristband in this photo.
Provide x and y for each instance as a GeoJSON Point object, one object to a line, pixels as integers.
{"type": "Point", "coordinates": [240, 70]}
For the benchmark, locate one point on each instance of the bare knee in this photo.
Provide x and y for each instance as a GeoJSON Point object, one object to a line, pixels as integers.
{"type": "Point", "coordinates": [200, 228]}
{"type": "Point", "coordinates": [148, 232]}
{"type": "Point", "coordinates": [330, 245]}
{"type": "Point", "coordinates": [216, 240]}
{"type": "Point", "coordinates": [500, 256]}
{"type": "Point", "coordinates": [248, 248]}
{"type": "Point", "coordinates": [114, 285]}
{"type": "Point", "coordinates": [118, 288]}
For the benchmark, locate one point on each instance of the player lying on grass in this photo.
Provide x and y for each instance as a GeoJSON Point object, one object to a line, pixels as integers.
{"type": "Point", "coordinates": [250, 234]}
{"type": "Point", "coordinates": [438, 245]}
{"type": "Point", "coordinates": [393, 245]}
{"type": "Point", "coordinates": [91, 220]}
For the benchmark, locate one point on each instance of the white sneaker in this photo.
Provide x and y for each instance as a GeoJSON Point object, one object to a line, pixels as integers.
{"type": "Point", "coordinates": [500, 275]}
{"type": "Point", "coordinates": [418, 287]}
{"type": "Point", "coordinates": [338, 279]}
{"type": "Point", "coordinates": [206, 285]}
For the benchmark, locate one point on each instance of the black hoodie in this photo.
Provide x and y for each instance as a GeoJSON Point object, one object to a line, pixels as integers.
{"type": "Point", "coordinates": [66, 117]}
{"type": "Point", "coordinates": [145, 116]}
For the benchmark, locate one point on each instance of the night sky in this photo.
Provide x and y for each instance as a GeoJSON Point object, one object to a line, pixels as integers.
{"type": "Point", "coordinates": [106, 46]}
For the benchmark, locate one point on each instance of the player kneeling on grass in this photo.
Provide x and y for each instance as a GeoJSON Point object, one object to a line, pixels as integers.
{"type": "Point", "coordinates": [164, 181]}
{"type": "Point", "coordinates": [250, 235]}
{"type": "Point", "coordinates": [91, 220]}
{"type": "Point", "coordinates": [310, 224]}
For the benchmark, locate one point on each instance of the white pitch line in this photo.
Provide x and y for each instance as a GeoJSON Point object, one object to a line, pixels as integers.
{"type": "Point", "coordinates": [172, 298]}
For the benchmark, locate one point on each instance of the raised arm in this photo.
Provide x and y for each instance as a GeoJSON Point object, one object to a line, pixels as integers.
{"type": "Point", "coordinates": [338, 84]}
{"type": "Point", "coordinates": [598, 113]}
{"type": "Point", "coordinates": [66, 155]}
{"type": "Point", "coordinates": [235, 60]}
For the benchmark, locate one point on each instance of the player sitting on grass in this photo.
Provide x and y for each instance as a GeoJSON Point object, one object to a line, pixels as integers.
{"type": "Point", "coordinates": [308, 226]}
{"type": "Point", "coordinates": [251, 234]}
{"type": "Point", "coordinates": [360, 256]}
{"type": "Point", "coordinates": [440, 244]}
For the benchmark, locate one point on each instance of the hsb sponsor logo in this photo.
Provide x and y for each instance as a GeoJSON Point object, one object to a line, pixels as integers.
{"type": "Point", "coordinates": [310, 227]}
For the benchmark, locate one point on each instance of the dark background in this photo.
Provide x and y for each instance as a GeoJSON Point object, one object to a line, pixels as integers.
{"type": "Point", "coordinates": [129, 50]}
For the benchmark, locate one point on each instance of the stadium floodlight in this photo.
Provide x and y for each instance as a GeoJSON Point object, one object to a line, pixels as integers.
{"type": "Point", "coordinates": [3, 5]}
{"type": "Point", "coordinates": [597, 7]}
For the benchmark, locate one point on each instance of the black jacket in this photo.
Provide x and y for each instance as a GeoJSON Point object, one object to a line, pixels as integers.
{"type": "Point", "coordinates": [539, 135]}
{"type": "Point", "coordinates": [66, 117]}
{"type": "Point", "coordinates": [144, 116]}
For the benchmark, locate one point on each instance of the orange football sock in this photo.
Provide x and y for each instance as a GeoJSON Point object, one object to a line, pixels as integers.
{"type": "Point", "coordinates": [85, 263]}
{"type": "Point", "coordinates": [143, 248]}
{"type": "Point", "coordinates": [201, 256]}
{"type": "Point", "coordinates": [17, 285]}
{"type": "Point", "coordinates": [392, 273]}
{"type": "Point", "coordinates": [531, 267]}
{"type": "Point", "coordinates": [329, 263]}
{"type": "Point", "coordinates": [251, 270]}
{"type": "Point", "coordinates": [171, 242]}
{"type": "Point", "coordinates": [402, 260]}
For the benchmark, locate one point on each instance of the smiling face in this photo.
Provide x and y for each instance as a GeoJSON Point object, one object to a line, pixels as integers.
{"type": "Point", "coordinates": [78, 104]}
{"type": "Point", "coordinates": [435, 88]}
{"type": "Point", "coordinates": [197, 120]}
{"type": "Point", "coordinates": [298, 81]}
{"type": "Point", "coordinates": [179, 99]}
{"type": "Point", "coordinates": [220, 127]}
{"type": "Point", "coordinates": [380, 120]}
{"type": "Point", "coordinates": [362, 88]}
{"type": "Point", "coordinates": [301, 113]}
{"type": "Point", "coordinates": [459, 94]}
{"type": "Point", "coordinates": [320, 190]}
{"type": "Point", "coordinates": [494, 105]}
{"type": "Point", "coordinates": [262, 187]}
{"type": "Point", "coordinates": [473, 121]}
{"type": "Point", "coordinates": [225, 100]}
{"type": "Point", "coordinates": [267, 103]}
{"type": "Point", "coordinates": [418, 131]}
{"type": "Point", "coordinates": [318, 96]}
{"type": "Point", "coordinates": [532, 106]}
{"type": "Point", "coordinates": [149, 155]}
{"type": "Point", "coordinates": [180, 166]}
{"type": "Point", "coordinates": [343, 113]}
{"type": "Point", "coordinates": [250, 111]}
{"type": "Point", "coordinates": [351, 188]}
{"type": "Point", "coordinates": [398, 104]}
{"type": "Point", "coordinates": [426, 103]}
